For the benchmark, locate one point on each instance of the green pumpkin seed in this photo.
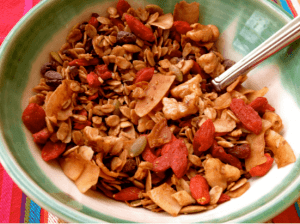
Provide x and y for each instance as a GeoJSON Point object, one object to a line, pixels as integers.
{"type": "Point", "coordinates": [177, 72]}
{"type": "Point", "coordinates": [117, 105]}
{"type": "Point", "coordinates": [138, 146]}
{"type": "Point", "coordinates": [56, 57]}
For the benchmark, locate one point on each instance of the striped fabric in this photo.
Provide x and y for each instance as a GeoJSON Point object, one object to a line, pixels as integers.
{"type": "Point", "coordinates": [15, 206]}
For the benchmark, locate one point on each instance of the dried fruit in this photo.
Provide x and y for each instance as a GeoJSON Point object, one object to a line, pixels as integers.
{"type": "Point", "coordinates": [93, 80]}
{"type": "Point", "coordinates": [33, 118]}
{"type": "Point", "coordinates": [53, 78]}
{"type": "Point", "coordinates": [200, 189]}
{"type": "Point", "coordinates": [84, 62]}
{"type": "Point", "coordinates": [262, 169]}
{"type": "Point", "coordinates": [122, 7]}
{"type": "Point", "coordinates": [145, 74]}
{"type": "Point", "coordinates": [182, 27]}
{"type": "Point", "coordinates": [42, 136]}
{"type": "Point", "coordinates": [260, 104]}
{"type": "Point", "coordinates": [52, 150]}
{"type": "Point", "coordinates": [240, 151]}
{"type": "Point", "coordinates": [247, 115]}
{"type": "Point", "coordinates": [139, 29]}
{"type": "Point", "coordinates": [223, 198]}
{"type": "Point", "coordinates": [218, 152]}
{"type": "Point", "coordinates": [79, 126]}
{"type": "Point", "coordinates": [94, 22]}
{"type": "Point", "coordinates": [124, 37]}
{"type": "Point", "coordinates": [204, 137]}
{"type": "Point", "coordinates": [103, 72]}
{"type": "Point", "coordinates": [128, 194]}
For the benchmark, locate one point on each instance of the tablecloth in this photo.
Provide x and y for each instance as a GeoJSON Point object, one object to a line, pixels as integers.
{"type": "Point", "coordinates": [15, 206]}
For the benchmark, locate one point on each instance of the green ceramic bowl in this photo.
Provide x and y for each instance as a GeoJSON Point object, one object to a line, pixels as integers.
{"type": "Point", "coordinates": [243, 24]}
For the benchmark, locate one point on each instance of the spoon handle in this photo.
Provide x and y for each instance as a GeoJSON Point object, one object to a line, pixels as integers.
{"type": "Point", "coordinates": [283, 37]}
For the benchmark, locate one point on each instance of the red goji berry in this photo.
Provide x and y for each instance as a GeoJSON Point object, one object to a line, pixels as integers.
{"type": "Point", "coordinates": [240, 151]}
{"type": "Point", "coordinates": [83, 112]}
{"type": "Point", "coordinates": [79, 126]}
{"type": "Point", "coordinates": [218, 134]}
{"type": "Point", "coordinates": [219, 152]}
{"type": "Point", "coordinates": [103, 72]}
{"type": "Point", "coordinates": [262, 169]}
{"type": "Point", "coordinates": [204, 137]}
{"type": "Point", "coordinates": [179, 159]}
{"type": "Point", "coordinates": [117, 22]}
{"type": "Point", "coordinates": [139, 29]}
{"type": "Point", "coordinates": [128, 194]}
{"type": "Point", "coordinates": [223, 198]}
{"type": "Point", "coordinates": [93, 80]}
{"type": "Point", "coordinates": [196, 69]}
{"type": "Point", "coordinates": [200, 189]}
{"type": "Point", "coordinates": [122, 7]}
{"type": "Point", "coordinates": [33, 117]}
{"type": "Point", "coordinates": [94, 22]}
{"type": "Point", "coordinates": [247, 115]}
{"type": "Point", "coordinates": [42, 136]}
{"type": "Point", "coordinates": [145, 74]}
{"type": "Point", "coordinates": [148, 154]}
{"type": "Point", "coordinates": [84, 62]}
{"type": "Point", "coordinates": [182, 27]}
{"type": "Point", "coordinates": [260, 104]}
{"type": "Point", "coordinates": [93, 97]}
{"type": "Point", "coordinates": [53, 150]}
{"type": "Point", "coordinates": [162, 163]}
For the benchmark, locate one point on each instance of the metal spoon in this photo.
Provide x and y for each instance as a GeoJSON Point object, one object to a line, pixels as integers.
{"type": "Point", "coordinates": [283, 37]}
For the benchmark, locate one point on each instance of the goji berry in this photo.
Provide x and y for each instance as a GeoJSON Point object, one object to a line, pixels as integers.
{"type": "Point", "coordinates": [122, 7]}
{"type": "Point", "coordinates": [93, 97]}
{"type": "Point", "coordinates": [196, 69]}
{"type": "Point", "coordinates": [182, 27]}
{"type": "Point", "coordinates": [139, 29]}
{"type": "Point", "coordinates": [223, 198]}
{"type": "Point", "coordinates": [204, 137]}
{"type": "Point", "coordinates": [179, 159]}
{"type": "Point", "coordinates": [117, 22]}
{"type": "Point", "coordinates": [103, 72]}
{"type": "Point", "coordinates": [162, 163]}
{"type": "Point", "coordinates": [79, 126]}
{"type": "Point", "coordinates": [128, 194]}
{"type": "Point", "coordinates": [84, 62]}
{"type": "Point", "coordinates": [247, 115]}
{"type": "Point", "coordinates": [218, 152]}
{"type": "Point", "coordinates": [33, 117]}
{"type": "Point", "coordinates": [42, 136]}
{"type": "Point", "coordinates": [93, 80]}
{"type": "Point", "coordinates": [240, 151]}
{"type": "Point", "coordinates": [262, 169]}
{"type": "Point", "coordinates": [200, 189]}
{"type": "Point", "coordinates": [94, 22]}
{"type": "Point", "coordinates": [83, 112]}
{"type": "Point", "coordinates": [260, 104]}
{"type": "Point", "coordinates": [145, 74]}
{"type": "Point", "coordinates": [148, 154]}
{"type": "Point", "coordinates": [218, 134]}
{"type": "Point", "coordinates": [52, 150]}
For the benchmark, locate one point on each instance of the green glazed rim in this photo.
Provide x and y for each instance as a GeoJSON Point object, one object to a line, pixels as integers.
{"type": "Point", "coordinates": [260, 211]}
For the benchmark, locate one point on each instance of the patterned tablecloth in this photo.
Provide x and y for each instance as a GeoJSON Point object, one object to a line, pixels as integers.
{"type": "Point", "coordinates": [15, 206]}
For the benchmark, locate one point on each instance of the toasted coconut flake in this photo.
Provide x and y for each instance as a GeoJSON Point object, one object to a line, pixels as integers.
{"type": "Point", "coordinates": [259, 93]}
{"type": "Point", "coordinates": [162, 196]}
{"type": "Point", "coordinates": [183, 198]}
{"type": "Point", "coordinates": [184, 11]}
{"type": "Point", "coordinates": [222, 101]}
{"type": "Point", "coordinates": [257, 145]}
{"type": "Point", "coordinates": [88, 178]}
{"type": "Point", "coordinates": [57, 99]}
{"type": "Point", "coordinates": [72, 165]}
{"type": "Point", "coordinates": [165, 21]}
{"type": "Point", "coordinates": [283, 153]}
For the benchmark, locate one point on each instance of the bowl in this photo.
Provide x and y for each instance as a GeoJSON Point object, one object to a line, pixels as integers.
{"type": "Point", "coordinates": [243, 26]}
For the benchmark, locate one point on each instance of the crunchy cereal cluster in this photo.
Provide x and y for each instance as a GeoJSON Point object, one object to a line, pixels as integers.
{"type": "Point", "coordinates": [127, 107]}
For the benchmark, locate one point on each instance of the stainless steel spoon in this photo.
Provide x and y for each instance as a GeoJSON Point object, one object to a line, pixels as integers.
{"type": "Point", "coordinates": [283, 37]}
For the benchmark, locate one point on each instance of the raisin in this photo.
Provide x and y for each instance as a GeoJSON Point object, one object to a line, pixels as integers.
{"type": "Point", "coordinates": [95, 15]}
{"type": "Point", "coordinates": [129, 166]}
{"type": "Point", "coordinates": [124, 37]}
{"type": "Point", "coordinates": [53, 78]}
{"type": "Point", "coordinates": [228, 63]}
{"type": "Point", "coordinates": [48, 66]}
{"type": "Point", "coordinates": [240, 151]}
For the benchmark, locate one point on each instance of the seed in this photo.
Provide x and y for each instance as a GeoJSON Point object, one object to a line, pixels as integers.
{"type": "Point", "coordinates": [56, 57]}
{"type": "Point", "coordinates": [138, 146]}
{"type": "Point", "coordinates": [177, 72]}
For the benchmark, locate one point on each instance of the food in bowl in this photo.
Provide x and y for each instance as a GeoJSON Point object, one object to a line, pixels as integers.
{"type": "Point", "coordinates": [127, 108]}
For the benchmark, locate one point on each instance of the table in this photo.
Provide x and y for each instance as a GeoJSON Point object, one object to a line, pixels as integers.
{"type": "Point", "coordinates": [15, 206]}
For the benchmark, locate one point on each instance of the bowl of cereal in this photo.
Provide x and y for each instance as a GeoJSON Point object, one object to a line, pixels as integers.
{"type": "Point", "coordinates": [115, 118]}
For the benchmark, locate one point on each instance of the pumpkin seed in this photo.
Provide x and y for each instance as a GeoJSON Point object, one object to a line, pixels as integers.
{"type": "Point", "coordinates": [117, 105]}
{"type": "Point", "coordinates": [56, 57]}
{"type": "Point", "coordinates": [138, 146]}
{"type": "Point", "coordinates": [177, 72]}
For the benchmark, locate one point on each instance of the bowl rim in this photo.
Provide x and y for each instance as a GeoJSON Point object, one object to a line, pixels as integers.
{"type": "Point", "coordinates": [37, 194]}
